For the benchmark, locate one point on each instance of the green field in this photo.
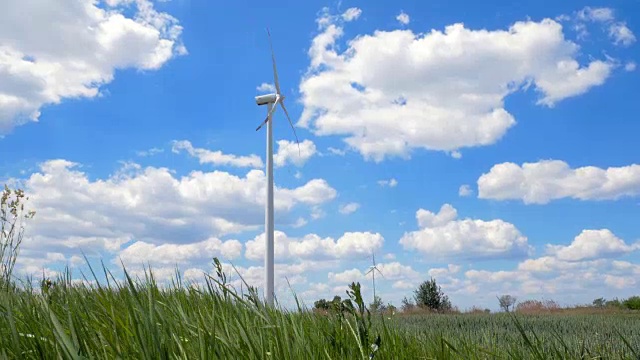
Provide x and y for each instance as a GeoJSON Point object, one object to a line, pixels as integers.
{"type": "Point", "coordinates": [137, 319]}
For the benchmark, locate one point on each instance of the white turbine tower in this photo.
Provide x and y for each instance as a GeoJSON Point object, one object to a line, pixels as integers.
{"type": "Point", "coordinates": [372, 270]}
{"type": "Point", "coordinates": [272, 100]}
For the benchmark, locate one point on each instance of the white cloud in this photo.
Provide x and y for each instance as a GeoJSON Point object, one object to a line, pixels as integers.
{"type": "Point", "coordinates": [630, 66]}
{"type": "Point", "coordinates": [150, 152]}
{"type": "Point", "coordinates": [349, 208]}
{"type": "Point", "coordinates": [570, 282]}
{"type": "Point", "coordinates": [426, 218]}
{"type": "Point", "coordinates": [390, 183]}
{"type": "Point", "coordinates": [67, 49]}
{"type": "Point", "coordinates": [617, 30]}
{"type": "Point", "coordinates": [317, 213]}
{"type": "Point", "coordinates": [395, 270]}
{"type": "Point", "coordinates": [289, 152]}
{"type": "Point", "coordinates": [595, 14]}
{"type": "Point", "coordinates": [454, 80]}
{"type": "Point", "coordinates": [440, 235]}
{"type": "Point", "coordinates": [620, 282]}
{"type": "Point", "coordinates": [439, 273]}
{"type": "Point", "coordinates": [142, 252]}
{"type": "Point", "coordinates": [403, 285]}
{"type": "Point", "coordinates": [621, 34]}
{"type": "Point", "coordinates": [312, 246]}
{"type": "Point", "coordinates": [266, 87]}
{"type": "Point", "coordinates": [403, 18]}
{"type": "Point", "coordinates": [300, 223]}
{"type": "Point", "coordinates": [547, 180]}
{"type": "Point", "coordinates": [150, 205]}
{"type": "Point", "coordinates": [390, 271]}
{"type": "Point", "coordinates": [465, 190]}
{"type": "Point", "coordinates": [592, 244]}
{"type": "Point", "coordinates": [346, 277]}
{"type": "Point", "coordinates": [217, 157]}
{"type": "Point", "coordinates": [335, 151]}
{"type": "Point", "coordinates": [351, 14]}
{"type": "Point", "coordinates": [574, 274]}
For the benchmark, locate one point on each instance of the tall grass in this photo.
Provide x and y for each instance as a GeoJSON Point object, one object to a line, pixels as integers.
{"type": "Point", "coordinates": [139, 319]}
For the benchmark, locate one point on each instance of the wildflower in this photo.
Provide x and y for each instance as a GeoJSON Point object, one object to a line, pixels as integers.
{"type": "Point", "coordinates": [375, 346]}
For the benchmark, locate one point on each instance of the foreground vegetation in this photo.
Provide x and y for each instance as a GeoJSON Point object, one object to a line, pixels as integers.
{"type": "Point", "coordinates": [138, 319]}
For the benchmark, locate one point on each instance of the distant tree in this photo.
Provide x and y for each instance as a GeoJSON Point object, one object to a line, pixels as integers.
{"type": "Point", "coordinates": [377, 305]}
{"type": "Point", "coordinates": [391, 308]}
{"type": "Point", "coordinates": [615, 303]}
{"type": "Point", "coordinates": [599, 302]}
{"type": "Point", "coordinates": [429, 295]}
{"type": "Point", "coordinates": [407, 304]}
{"type": "Point", "coordinates": [321, 304]}
{"type": "Point", "coordinates": [336, 304]}
{"type": "Point", "coordinates": [632, 303]}
{"type": "Point", "coordinates": [506, 302]}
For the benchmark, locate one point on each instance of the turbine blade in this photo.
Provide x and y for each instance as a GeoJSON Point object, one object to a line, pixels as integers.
{"type": "Point", "coordinates": [291, 123]}
{"type": "Point", "coordinates": [262, 124]}
{"type": "Point", "coordinates": [270, 113]}
{"type": "Point", "coordinates": [273, 59]}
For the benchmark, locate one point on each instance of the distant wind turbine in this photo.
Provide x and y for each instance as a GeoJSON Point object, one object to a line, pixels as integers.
{"type": "Point", "coordinates": [372, 270]}
{"type": "Point", "coordinates": [272, 100]}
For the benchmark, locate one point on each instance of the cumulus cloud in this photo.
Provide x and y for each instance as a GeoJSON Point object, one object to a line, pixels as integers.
{"type": "Point", "coordinates": [572, 282]}
{"type": "Point", "coordinates": [312, 246]}
{"type": "Point", "coordinates": [574, 273]}
{"type": "Point", "coordinates": [266, 87]}
{"type": "Point", "coordinates": [217, 157]}
{"type": "Point", "coordinates": [465, 190]}
{"type": "Point", "coordinates": [403, 18]}
{"type": "Point", "coordinates": [547, 180]}
{"type": "Point", "coordinates": [454, 80]}
{"type": "Point", "coordinates": [67, 49]}
{"type": "Point", "coordinates": [142, 252]}
{"type": "Point", "coordinates": [592, 244]}
{"type": "Point", "coordinates": [390, 271]}
{"type": "Point", "coordinates": [151, 206]}
{"type": "Point", "coordinates": [349, 208]}
{"type": "Point", "coordinates": [441, 235]}
{"type": "Point", "coordinates": [289, 152]}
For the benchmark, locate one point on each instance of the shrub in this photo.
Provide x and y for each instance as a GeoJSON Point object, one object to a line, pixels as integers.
{"type": "Point", "coordinates": [537, 306]}
{"type": "Point", "coordinates": [11, 230]}
{"type": "Point", "coordinates": [632, 303]}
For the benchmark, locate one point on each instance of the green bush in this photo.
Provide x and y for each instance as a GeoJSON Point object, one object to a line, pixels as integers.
{"type": "Point", "coordinates": [632, 303]}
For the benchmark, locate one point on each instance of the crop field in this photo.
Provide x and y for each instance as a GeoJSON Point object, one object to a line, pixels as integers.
{"type": "Point", "coordinates": [138, 319]}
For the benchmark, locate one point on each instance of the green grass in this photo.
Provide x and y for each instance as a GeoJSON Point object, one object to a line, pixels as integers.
{"type": "Point", "coordinates": [138, 319]}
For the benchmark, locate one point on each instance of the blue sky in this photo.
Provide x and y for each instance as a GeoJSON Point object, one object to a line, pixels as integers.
{"type": "Point", "coordinates": [490, 146]}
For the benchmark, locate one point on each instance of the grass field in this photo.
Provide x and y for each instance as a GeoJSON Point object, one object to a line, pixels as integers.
{"type": "Point", "coordinates": [137, 319]}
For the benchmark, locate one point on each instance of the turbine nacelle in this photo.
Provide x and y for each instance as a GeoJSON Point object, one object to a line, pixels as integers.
{"type": "Point", "coordinates": [266, 99]}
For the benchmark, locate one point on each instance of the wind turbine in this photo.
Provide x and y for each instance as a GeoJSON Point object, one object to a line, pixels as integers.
{"type": "Point", "coordinates": [373, 269]}
{"type": "Point", "coordinates": [272, 101]}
